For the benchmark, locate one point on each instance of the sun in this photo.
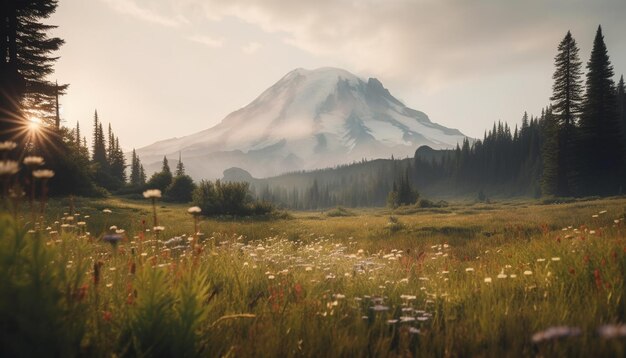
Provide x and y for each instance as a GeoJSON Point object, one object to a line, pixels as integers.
{"type": "Point", "coordinates": [34, 123]}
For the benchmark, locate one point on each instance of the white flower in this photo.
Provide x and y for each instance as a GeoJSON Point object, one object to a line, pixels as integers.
{"type": "Point", "coordinates": [158, 228]}
{"type": "Point", "coordinates": [469, 269]}
{"type": "Point", "coordinates": [556, 259]}
{"type": "Point", "coordinates": [113, 228]}
{"type": "Point", "coordinates": [194, 210]}
{"type": "Point", "coordinates": [152, 193]}
{"type": "Point", "coordinates": [43, 173]}
{"type": "Point", "coordinates": [528, 273]}
{"type": "Point", "coordinates": [8, 167]}
{"type": "Point", "coordinates": [487, 279]}
{"type": "Point", "coordinates": [8, 145]}
{"type": "Point", "coordinates": [106, 211]}
{"type": "Point", "coordinates": [33, 160]}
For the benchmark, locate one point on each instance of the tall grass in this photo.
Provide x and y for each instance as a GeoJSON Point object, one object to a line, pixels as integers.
{"type": "Point", "coordinates": [473, 280]}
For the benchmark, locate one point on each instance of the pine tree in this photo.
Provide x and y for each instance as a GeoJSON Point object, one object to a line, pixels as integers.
{"type": "Point", "coordinates": [166, 166]}
{"type": "Point", "coordinates": [180, 167]}
{"type": "Point", "coordinates": [135, 175]}
{"type": "Point", "coordinates": [142, 174]}
{"type": "Point", "coordinates": [600, 143]}
{"type": "Point", "coordinates": [98, 151]}
{"type": "Point", "coordinates": [26, 60]}
{"type": "Point", "coordinates": [566, 107]}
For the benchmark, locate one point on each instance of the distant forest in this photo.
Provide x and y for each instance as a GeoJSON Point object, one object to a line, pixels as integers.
{"type": "Point", "coordinates": [575, 147]}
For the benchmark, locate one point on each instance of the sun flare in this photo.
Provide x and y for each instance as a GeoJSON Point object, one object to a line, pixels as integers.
{"type": "Point", "coordinates": [34, 123]}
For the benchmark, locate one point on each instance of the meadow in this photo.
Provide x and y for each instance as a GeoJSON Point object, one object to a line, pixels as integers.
{"type": "Point", "coordinates": [510, 278]}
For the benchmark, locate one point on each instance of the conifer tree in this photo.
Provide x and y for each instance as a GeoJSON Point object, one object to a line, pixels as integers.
{"type": "Point", "coordinates": [99, 156]}
{"type": "Point", "coordinates": [180, 167]}
{"type": "Point", "coordinates": [135, 175]}
{"type": "Point", "coordinates": [566, 107]}
{"type": "Point", "coordinates": [166, 166]}
{"type": "Point", "coordinates": [600, 143]}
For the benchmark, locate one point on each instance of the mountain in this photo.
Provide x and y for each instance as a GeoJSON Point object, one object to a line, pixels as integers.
{"type": "Point", "coordinates": [309, 119]}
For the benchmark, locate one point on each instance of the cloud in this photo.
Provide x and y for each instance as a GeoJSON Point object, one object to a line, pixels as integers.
{"type": "Point", "coordinates": [423, 42]}
{"type": "Point", "coordinates": [129, 7]}
{"type": "Point", "coordinates": [207, 40]}
{"type": "Point", "coordinates": [251, 48]}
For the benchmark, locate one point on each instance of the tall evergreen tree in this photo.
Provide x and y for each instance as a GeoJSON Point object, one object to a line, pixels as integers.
{"type": "Point", "coordinates": [166, 167]}
{"type": "Point", "coordinates": [135, 175]}
{"type": "Point", "coordinates": [180, 167]}
{"type": "Point", "coordinates": [566, 108]}
{"type": "Point", "coordinates": [98, 155]}
{"type": "Point", "coordinates": [26, 60]}
{"type": "Point", "coordinates": [600, 141]}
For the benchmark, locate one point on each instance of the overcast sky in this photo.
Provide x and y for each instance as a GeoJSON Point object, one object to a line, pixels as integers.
{"type": "Point", "coordinates": [158, 69]}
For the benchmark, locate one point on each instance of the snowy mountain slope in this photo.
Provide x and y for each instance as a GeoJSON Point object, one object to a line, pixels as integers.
{"type": "Point", "coordinates": [309, 119]}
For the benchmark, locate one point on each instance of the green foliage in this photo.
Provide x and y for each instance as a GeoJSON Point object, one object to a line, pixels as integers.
{"type": "Point", "coordinates": [339, 212]}
{"type": "Point", "coordinates": [180, 190]}
{"type": "Point", "coordinates": [600, 144]}
{"type": "Point", "coordinates": [160, 180]}
{"type": "Point", "coordinates": [42, 312]}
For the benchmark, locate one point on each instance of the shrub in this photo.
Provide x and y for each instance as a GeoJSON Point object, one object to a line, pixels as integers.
{"type": "Point", "coordinates": [180, 190]}
{"type": "Point", "coordinates": [160, 180]}
{"type": "Point", "coordinates": [339, 211]}
{"type": "Point", "coordinates": [228, 198]}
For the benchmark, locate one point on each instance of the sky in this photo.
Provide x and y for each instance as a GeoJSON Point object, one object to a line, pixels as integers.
{"type": "Point", "coordinates": [157, 69]}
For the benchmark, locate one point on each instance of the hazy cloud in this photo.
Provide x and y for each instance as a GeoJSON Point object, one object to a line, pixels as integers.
{"type": "Point", "coordinates": [207, 40]}
{"type": "Point", "coordinates": [424, 41]}
{"type": "Point", "coordinates": [129, 7]}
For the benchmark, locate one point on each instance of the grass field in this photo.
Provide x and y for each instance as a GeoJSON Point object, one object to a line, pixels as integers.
{"type": "Point", "coordinates": [511, 278]}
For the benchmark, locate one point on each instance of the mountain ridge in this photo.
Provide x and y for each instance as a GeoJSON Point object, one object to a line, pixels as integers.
{"type": "Point", "coordinates": [308, 119]}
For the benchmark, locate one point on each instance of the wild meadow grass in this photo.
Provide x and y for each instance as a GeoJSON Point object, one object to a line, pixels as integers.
{"type": "Point", "coordinates": [506, 279]}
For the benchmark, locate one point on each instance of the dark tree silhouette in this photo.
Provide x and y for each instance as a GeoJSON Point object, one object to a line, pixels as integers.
{"type": "Point", "coordinates": [600, 145]}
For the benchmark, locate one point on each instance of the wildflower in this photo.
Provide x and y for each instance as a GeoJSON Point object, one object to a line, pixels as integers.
{"type": "Point", "coordinates": [8, 167]}
{"type": "Point", "coordinates": [152, 193]}
{"type": "Point", "coordinates": [112, 239]}
{"type": "Point", "coordinates": [609, 331]}
{"type": "Point", "coordinates": [553, 333]}
{"type": "Point", "coordinates": [33, 161]}
{"type": "Point", "coordinates": [158, 228]}
{"type": "Point", "coordinates": [541, 260]}
{"type": "Point", "coordinates": [119, 231]}
{"type": "Point", "coordinates": [7, 145]}
{"type": "Point", "coordinates": [414, 330]}
{"type": "Point", "coordinates": [469, 269]}
{"type": "Point", "coordinates": [43, 173]}
{"type": "Point", "coordinates": [113, 228]}
{"type": "Point", "coordinates": [271, 277]}
{"type": "Point", "coordinates": [379, 308]}
{"type": "Point", "coordinates": [502, 275]}
{"type": "Point", "coordinates": [556, 259]}
{"type": "Point", "coordinates": [194, 210]}
{"type": "Point", "coordinates": [487, 279]}
{"type": "Point", "coordinates": [528, 273]}
{"type": "Point", "coordinates": [512, 275]}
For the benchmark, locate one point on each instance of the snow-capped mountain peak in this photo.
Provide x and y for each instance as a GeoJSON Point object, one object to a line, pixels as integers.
{"type": "Point", "coordinates": [309, 119]}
